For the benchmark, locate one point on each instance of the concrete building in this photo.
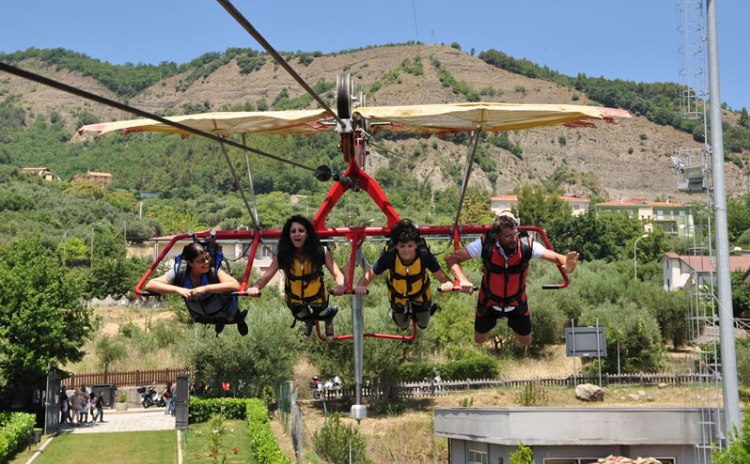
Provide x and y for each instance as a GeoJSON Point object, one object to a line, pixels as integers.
{"type": "Point", "coordinates": [572, 435]}
{"type": "Point", "coordinates": [93, 177]}
{"type": "Point", "coordinates": [507, 202]}
{"type": "Point", "coordinates": [672, 218]}
{"type": "Point", "coordinates": [42, 172]}
{"type": "Point", "coordinates": [694, 271]}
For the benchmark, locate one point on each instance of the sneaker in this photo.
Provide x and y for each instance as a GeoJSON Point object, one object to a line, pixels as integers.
{"type": "Point", "coordinates": [329, 329]}
{"type": "Point", "coordinates": [308, 329]}
{"type": "Point", "coordinates": [241, 324]}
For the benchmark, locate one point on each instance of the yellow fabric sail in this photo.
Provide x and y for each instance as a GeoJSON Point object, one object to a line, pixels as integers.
{"type": "Point", "coordinates": [490, 117]}
{"type": "Point", "coordinates": [414, 119]}
{"type": "Point", "coordinates": [225, 123]}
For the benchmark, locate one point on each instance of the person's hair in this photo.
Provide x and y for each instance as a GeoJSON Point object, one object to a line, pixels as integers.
{"type": "Point", "coordinates": [192, 251]}
{"type": "Point", "coordinates": [404, 231]}
{"type": "Point", "coordinates": [311, 248]}
{"type": "Point", "coordinates": [503, 220]}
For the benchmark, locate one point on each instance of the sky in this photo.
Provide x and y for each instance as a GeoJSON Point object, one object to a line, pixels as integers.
{"type": "Point", "coordinates": [635, 40]}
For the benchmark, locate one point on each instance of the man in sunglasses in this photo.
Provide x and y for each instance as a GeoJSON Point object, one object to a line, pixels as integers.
{"type": "Point", "coordinates": [505, 255]}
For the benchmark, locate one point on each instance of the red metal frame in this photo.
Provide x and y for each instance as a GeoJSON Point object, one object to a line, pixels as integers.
{"type": "Point", "coordinates": [353, 146]}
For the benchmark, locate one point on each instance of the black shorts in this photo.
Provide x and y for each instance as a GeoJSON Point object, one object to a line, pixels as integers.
{"type": "Point", "coordinates": [519, 320]}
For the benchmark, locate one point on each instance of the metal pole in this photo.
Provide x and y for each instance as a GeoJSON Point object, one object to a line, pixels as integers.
{"type": "Point", "coordinates": [732, 413]}
{"type": "Point", "coordinates": [599, 351]}
{"type": "Point", "coordinates": [358, 410]}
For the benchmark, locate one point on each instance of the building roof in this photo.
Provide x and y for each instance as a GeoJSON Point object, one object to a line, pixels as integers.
{"type": "Point", "coordinates": [562, 197]}
{"type": "Point", "coordinates": [100, 174]}
{"type": "Point", "coordinates": [703, 263]}
{"type": "Point", "coordinates": [641, 202]}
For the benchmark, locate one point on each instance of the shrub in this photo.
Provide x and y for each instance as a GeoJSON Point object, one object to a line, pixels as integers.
{"type": "Point", "coordinates": [263, 443]}
{"type": "Point", "coordinates": [476, 366]}
{"type": "Point", "coordinates": [523, 455]}
{"type": "Point", "coordinates": [15, 429]}
{"type": "Point", "coordinates": [336, 442]}
{"type": "Point", "coordinates": [533, 395]}
{"type": "Point", "coordinates": [231, 408]}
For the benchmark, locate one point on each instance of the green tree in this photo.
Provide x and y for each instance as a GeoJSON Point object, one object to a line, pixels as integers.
{"type": "Point", "coordinates": [337, 442]}
{"type": "Point", "coordinates": [523, 455]}
{"type": "Point", "coordinates": [738, 451]}
{"type": "Point", "coordinates": [263, 358]}
{"type": "Point", "coordinates": [537, 207]}
{"type": "Point", "coordinates": [42, 320]}
{"type": "Point", "coordinates": [108, 351]}
{"type": "Point", "coordinates": [740, 295]}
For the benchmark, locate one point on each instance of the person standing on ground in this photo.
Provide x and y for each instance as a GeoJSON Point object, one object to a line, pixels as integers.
{"type": "Point", "coordinates": [99, 404]}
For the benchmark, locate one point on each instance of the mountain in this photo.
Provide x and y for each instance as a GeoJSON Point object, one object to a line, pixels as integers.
{"type": "Point", "coordinates": [626, 159]}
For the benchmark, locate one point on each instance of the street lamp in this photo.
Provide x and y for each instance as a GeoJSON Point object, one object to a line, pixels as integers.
{"type": "Point", "coordinates": [635, 262]}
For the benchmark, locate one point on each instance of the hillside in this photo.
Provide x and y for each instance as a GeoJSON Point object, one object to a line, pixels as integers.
{"type": "Point", "coordinates": [630, 158]}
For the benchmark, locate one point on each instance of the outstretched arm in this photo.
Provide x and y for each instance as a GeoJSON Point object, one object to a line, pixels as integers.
{"type": "Point", "coordinates": [338, 276]}
{"type": "Point", "coordinates": [453, 261]}
{"type": "Point", "coordinates": [446, 284]}
{"type": "Point", "coordinates": [265, 278]}
{"type": "Point", "coordinates": [567, 262]}
{"type": "Point", "coordinates": [364, 281]}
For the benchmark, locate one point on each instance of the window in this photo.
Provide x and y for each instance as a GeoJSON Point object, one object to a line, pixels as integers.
{"type": "Point", "coordinates": [477, 457]}
{"type": "Point", "coordinates": [266, 252]}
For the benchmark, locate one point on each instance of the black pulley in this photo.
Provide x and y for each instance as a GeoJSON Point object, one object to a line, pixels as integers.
{"type": "Point", "coordinates": [344, 95]}
{"type": "Point", "coordinates": [323, 173]}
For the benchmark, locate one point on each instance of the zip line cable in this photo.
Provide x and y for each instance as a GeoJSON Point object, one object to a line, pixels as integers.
{"type": "Point", "coordinates": [320, 174]}
{"type": "Point", "coordinates": [234, 12]}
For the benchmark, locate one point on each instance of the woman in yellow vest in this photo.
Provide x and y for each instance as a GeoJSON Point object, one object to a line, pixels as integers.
{"type": "Point", "coordinates": [301, 256]}
{"type": "Point", "coordinates": [407, 259]}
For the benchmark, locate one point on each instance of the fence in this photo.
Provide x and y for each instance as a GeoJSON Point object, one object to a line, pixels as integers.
{"type": "Point", "coordinates": [412, 389]}
{"type": "Point", "coordinates": [126, 379]}
{"type": "Point", "coordinates": [428, 389]}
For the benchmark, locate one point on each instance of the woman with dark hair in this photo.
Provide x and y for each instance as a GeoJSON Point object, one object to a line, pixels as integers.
{"type": "Point", "coordinates": [205, 287]}
{"type": "Point", "coordinates": [302, 257]}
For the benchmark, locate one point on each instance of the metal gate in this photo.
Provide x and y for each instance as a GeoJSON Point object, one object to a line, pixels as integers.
{"type": "Point", "coordinates": [52, 404]}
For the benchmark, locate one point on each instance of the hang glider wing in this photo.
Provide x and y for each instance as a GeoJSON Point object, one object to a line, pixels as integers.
{"type": "Point", "coordinates": [415, 119]}
{"type": "Point", "coordinates": [293, 122]}
{"type": "Point", "coordinates": [490, 117]}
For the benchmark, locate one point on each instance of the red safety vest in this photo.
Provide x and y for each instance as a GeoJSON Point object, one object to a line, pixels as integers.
{"type": "Point", "coordinates": [504, 281]}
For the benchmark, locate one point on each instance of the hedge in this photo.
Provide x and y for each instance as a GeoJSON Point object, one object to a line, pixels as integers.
{"type": "Point", "coordinates": [15, 430]}
{"type": "Point", "coordinates": [263, 442]}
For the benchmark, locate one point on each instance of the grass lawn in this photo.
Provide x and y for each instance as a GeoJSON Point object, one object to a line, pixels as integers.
{"type": "Point", "coordinates": [157, 447]}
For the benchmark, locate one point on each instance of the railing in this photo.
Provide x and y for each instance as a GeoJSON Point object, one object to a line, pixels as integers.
{"type": "Point", "coordinates": [411, 389]}
{"type": "Point", "coordinates": [430, 389]}
{"type": "Point", "coordinates": [125, 379]}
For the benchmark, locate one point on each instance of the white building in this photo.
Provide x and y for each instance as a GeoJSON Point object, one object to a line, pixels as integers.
{"type": "Point", "coordinates": [694, 271]}
{"type": "Point", "coordinates": [507, 202]}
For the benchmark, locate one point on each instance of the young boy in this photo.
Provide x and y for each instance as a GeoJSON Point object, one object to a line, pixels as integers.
{"type": "Point", "coordinates": [407, 260]}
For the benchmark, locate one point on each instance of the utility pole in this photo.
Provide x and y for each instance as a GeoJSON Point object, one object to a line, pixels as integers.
{"type": "Point", "coordinates": [732, 412]}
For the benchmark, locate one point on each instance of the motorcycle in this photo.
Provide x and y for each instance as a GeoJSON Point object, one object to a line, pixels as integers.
{"type": "Point", "coordinates": [150, 397]}
{"type": "Point", "coordinates": [319, 387]}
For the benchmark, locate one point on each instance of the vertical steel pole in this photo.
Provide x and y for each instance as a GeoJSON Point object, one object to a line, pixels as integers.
{"type": "Point", "coordinates": [358, 410]}
{"type": "Point", "coordinates": [732, 413]}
